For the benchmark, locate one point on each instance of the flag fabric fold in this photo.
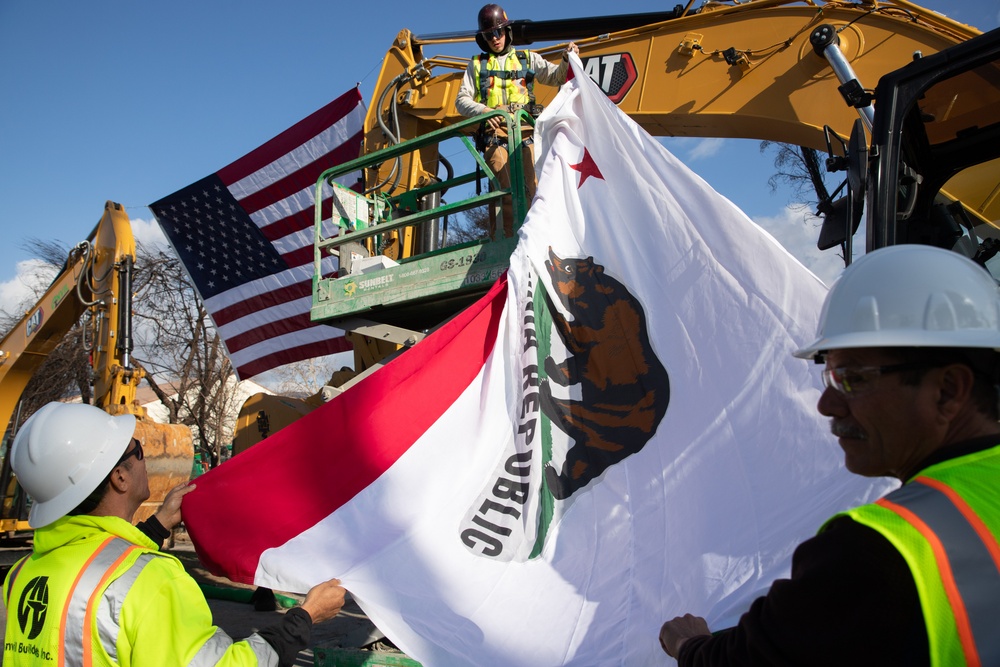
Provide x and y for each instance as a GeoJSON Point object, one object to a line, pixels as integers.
{"type": "Point", "coordinates": [616, 434]}
{"type": "Point", "coordinates": [245, 236]}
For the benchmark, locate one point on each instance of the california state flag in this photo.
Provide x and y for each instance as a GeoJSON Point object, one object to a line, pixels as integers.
{"type": "Point", "coordinates": [617, 433]}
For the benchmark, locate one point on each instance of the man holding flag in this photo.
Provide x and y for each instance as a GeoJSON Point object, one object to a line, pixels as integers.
{"type": "Point", "coordinates": [911, 379]}
{"type": "Point", "coordinates": [95, 589]}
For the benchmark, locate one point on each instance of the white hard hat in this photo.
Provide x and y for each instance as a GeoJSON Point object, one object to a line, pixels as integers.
{"type": "Point", "coordinates": [63, 453]}
{"type": "Point", "coordinates": [909, 296]}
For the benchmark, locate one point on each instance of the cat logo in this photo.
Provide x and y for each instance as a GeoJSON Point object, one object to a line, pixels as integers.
{"type": "Point", "coordinates": [614, 73]}
{"type": "Point", "coordinates": [623, 387]}
{"type": "Point", "coordinates": [32, 607]}
{"type": "Point", "coordinates": [34, 323]}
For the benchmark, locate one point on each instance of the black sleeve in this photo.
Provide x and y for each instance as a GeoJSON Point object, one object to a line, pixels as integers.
{"type": "Point", "coordinates": [154, 530]}
{"type": "Point", "coordinates": [851, 600]}
{"type": "Point", "coordinates": [290, 636]}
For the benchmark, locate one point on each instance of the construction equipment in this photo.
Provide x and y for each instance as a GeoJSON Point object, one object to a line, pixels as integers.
{"type": "Point", "coordinates": [95, 283]}
{"type": "Point", "coordinates": [930, 172]}
{"type": "Point", "coordinates": [780, 70]}
{"type": "Point", "coordinates": [792, 71]}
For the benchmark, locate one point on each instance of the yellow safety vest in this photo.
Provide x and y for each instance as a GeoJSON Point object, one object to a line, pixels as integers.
{"type": "Point", "coordinates": [946, 524]}
{"type": "Point", "coordinates": [96, 592]}
{"type": "Point", "coordinates": [512, 84]}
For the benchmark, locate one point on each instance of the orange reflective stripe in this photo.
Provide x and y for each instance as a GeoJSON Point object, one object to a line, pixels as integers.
{"type": "Point", "coordinates": [88, 618]}
{"type": "Point", "coordinates": [947, 579]}
{"type": "Point", "coordinates": [970, 515]}
{"type": "Point", "coordinates": [72, 589]}
{"type": "Point", "coordinates": [12, 576]}
{"type": "Point", "coordinates": [75, 627]}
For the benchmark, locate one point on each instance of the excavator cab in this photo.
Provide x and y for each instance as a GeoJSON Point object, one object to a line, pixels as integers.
{"type": "Point", "coordinates": [934, 165]}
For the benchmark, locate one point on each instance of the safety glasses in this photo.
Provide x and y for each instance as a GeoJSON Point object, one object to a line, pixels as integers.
{"type": "Point", "coordinates": [856, 380]}
{"type": "Point", "coordinates": [496, 33]}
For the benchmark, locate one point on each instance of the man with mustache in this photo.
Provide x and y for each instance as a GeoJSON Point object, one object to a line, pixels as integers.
{"type": "Point", "coordinates": [909, 336]}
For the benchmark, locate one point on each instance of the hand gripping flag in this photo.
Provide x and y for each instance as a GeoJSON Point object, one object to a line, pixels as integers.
{"type": "Point", "coordinates": [617, 433]}
{"type": "Point", "coordinates": [245, 236]}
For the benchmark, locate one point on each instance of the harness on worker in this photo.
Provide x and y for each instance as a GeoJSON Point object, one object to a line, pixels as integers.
{"type": "Point", "coordinates": [488, 78]}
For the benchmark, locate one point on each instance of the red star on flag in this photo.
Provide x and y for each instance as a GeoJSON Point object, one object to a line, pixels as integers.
{"type": "Point", "coordinates": [587, 167]}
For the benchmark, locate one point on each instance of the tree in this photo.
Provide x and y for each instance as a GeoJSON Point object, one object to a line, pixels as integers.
{"type": "Point", "coordinates": [801, 168]}
{"type": "Point", "coordinates": [304, 378]}
{"type": "Point", "coordinates": [175, 343]}
{"type": "Point", "coordinates": [186, 363]}
{"type": "Point", "coordinates": [474, 225]}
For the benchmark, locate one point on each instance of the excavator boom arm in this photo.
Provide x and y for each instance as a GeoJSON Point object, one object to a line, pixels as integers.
{"type": "Point", "coordinates": [746, 70]}
{"type": "Point", "coordinates": [88, 281]}
{"type": "Point", "coordinates": [96, 281]}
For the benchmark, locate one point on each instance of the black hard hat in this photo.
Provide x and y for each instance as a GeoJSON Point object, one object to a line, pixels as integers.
{"type": "Point", "coordinates": [492, 17]}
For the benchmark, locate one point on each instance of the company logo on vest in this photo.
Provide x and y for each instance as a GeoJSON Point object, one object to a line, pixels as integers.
{"type": "Point", "coordinates": [32, 606]}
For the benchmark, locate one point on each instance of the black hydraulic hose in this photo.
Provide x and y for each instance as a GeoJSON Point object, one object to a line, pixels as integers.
{"type": "Point", "coordinates": [124, 344]}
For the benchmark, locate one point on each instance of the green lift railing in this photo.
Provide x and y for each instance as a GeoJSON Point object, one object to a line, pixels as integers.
{"type": "Point", "coordinates": [422, 290]}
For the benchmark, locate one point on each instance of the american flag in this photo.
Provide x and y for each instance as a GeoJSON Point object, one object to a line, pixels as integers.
{"type": "Point", "coordinates": [245, 236]}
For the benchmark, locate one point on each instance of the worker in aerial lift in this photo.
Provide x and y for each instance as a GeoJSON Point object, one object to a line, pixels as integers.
{"type": "Point", "coordinates": [909, 335]}
{"type": "Point", "coordinates": [95, 589]}
{"type": "Point", "coordinates": [503, 78]}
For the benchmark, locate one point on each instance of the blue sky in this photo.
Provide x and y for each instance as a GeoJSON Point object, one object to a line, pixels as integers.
{"type": "Point", "coordinates": [130, 100]}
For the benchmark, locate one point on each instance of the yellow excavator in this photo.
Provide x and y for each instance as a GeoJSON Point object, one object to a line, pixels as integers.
{"type": "Point", "coordinates": [800, 72]}
{"type": "Point", "coordinates": [96, 284]}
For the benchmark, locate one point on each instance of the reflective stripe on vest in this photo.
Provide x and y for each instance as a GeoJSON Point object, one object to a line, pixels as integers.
{"type": "Point", "coordinates": [78, 612]}
{"type": "Point", "coordinates": [490, 81]}
{"type": "Point", "coordinates": [212, 650]}
{"type": "Point", "coordinates": [109, 608]}
{"type": "Point", "coordinates": [967, 558]}
{"type": "Point", "coordinates": [12, 575]}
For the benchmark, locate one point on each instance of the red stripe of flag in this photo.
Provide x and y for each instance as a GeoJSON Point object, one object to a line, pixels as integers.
{"type": "Point", "coordinates": [272, 329]}
{"type": "Point", "coordinates": [261, 301]}
{"type": "Point", "coordinates": [303, 178]}
{"type": "Point", "coordinates": [295, 222]}
{"type": "Point", "coordinates": [302, 255]}
{"type": "Point", "coordinates": [290, 139]}
{"type": "Point", "coordinates": [291, 354]}
{"type": "Point", "coordinates": [315, 466]}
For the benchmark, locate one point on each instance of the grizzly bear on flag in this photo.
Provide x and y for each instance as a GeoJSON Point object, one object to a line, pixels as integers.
{"type": "Point", "coordinates": [624, 389]}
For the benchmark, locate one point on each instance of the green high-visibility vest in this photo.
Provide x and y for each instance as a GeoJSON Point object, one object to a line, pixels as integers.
{"type": "Point", "coordinates": [95, 591]}
{"type": "Point", "coordinates": [512, 84]}
{"type": "Point", "coordinates": [946, 524]}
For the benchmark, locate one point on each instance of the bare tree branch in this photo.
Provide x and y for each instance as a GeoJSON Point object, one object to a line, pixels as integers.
{"type": "Point", "coordinates": [176, 343]}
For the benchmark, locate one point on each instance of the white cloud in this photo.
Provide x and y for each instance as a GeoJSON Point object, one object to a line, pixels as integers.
{"type": "Point", "coordinates": [33, 276]}
{"type": "Point", "coordinates": [148, 233]}
{"type": "Point", "coordinates": [706, 148]}
{"type": "Point", "coordinates": [20, 292]}
{"type": "Point", "coordinates": [797, 230]}
{"type": "Point", "coordinates": [693, 148]}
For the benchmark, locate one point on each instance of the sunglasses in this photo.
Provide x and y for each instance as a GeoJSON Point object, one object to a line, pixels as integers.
{"type": "Point", "coordinates": [136, 451]}
{"type": "Point", "coordinates": [496, 33]}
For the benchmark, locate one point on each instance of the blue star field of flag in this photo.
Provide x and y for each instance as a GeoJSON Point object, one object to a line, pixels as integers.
{"type": "Point", "coordinates": [215, 238]}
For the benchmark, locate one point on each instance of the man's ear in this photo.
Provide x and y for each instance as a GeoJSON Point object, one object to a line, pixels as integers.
{"type": "Point", "coordinates": [119, 480]}
{"type": "Point", "coordinates": [955, 387]}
